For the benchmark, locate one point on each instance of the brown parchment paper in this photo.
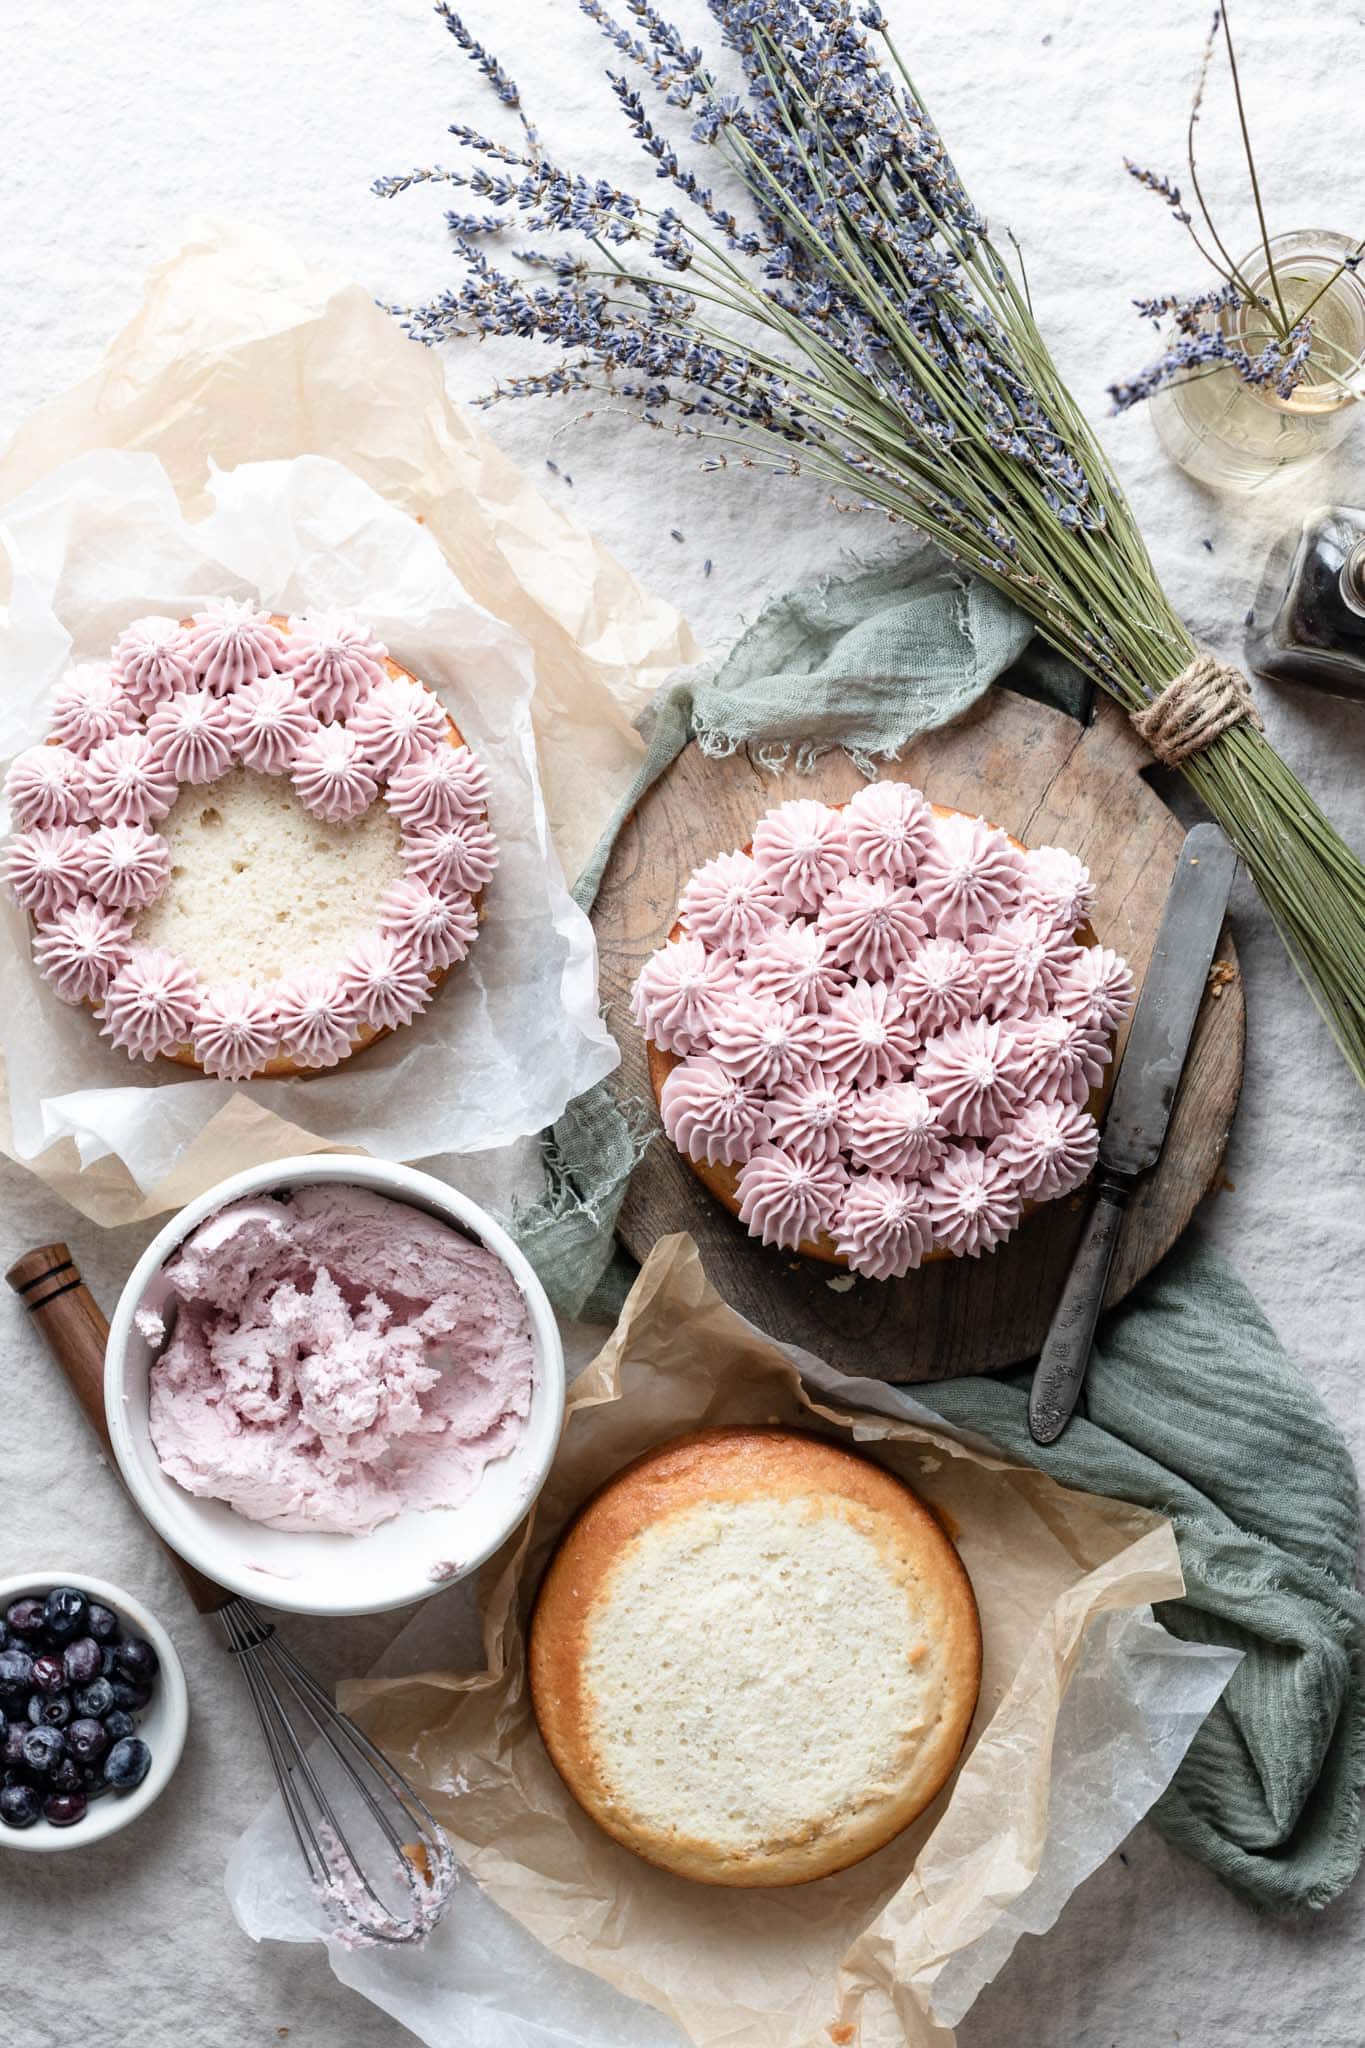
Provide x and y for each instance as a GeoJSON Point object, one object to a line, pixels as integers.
{"type": "Point", "coordinates": [242, 351]}
{"type": "Point", "coordinates": [850, 1960]}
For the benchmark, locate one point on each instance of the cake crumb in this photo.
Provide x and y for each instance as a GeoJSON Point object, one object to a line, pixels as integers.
{"type": "Point", "coordinates": [1221, 975]}
{"type": "Point", "coordinates": [841, 1283]}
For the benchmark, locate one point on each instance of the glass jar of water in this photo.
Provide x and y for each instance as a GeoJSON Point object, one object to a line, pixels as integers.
{"type": "Point", "coordinates": [1241, 436]}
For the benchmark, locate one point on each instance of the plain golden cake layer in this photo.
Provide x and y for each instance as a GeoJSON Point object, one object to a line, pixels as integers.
{"type": "Point", "coordinates": [754, 1657]}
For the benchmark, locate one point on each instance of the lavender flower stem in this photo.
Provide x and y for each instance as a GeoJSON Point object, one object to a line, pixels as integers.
{"type": "Point", "coordinates": [1251, 167]}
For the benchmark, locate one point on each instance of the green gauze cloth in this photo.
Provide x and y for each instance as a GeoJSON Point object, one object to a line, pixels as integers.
{"type": "Point", "coordinates": [1192, 1405]}
{"type": "Point", "coordinates": [1192, 1408]}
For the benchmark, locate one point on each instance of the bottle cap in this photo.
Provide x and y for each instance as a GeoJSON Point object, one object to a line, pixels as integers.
{"type": "Point", "coordinates": [1353, 578]}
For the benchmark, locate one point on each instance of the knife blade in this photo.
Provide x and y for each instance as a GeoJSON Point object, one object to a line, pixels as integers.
{"type": "Point", "coordinates": [1139, 1111]}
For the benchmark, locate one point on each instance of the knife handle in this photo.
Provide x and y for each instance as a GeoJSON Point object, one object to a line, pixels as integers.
{"type": "Point", "coordinates": [1065, 1356]}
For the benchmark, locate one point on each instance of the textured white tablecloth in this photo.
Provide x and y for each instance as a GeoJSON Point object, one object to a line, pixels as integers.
{"type": "Point", "coordinates": [121, 121]}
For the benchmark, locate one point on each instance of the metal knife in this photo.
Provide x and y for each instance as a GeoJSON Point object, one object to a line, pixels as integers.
{"type": "Point", "coordinates": [1139, 1111]}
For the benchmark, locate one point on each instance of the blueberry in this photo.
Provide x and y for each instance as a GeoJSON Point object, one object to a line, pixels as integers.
{"type": "Point", "coordinates": [92, 1781]}
{"type": "Point", "coordinates": [43, 1747]}
{"type": "Point", "coordinates": [87, 1740]}
{"type": "Point", "coordinates": [132, 1698]}
{"type": "Point", "coordinates": [4, 1635]}
{"type": "Point", "coordinates": [49, 1710]}
{"type": "Point", "coordinates": [4, 1727]}
{"type": "Point", "coordinates": [107, 1660]}
{"type": "Point", "coordinates": [64, 1809]}
{"type": "Point", "coordinates": [102, 1622]}
{"type": "Point", "coordinates": [127, 1764]}
{"type": "Point", "coordinates": [49, 1674]}
{"type": "Point", "coordinates": [118, 1725]}
{"type": "Point", "coordinates": [136, 1661]}
{"type": "Point", "coordinates": [20, 1806]}
{"type": "Point", "coordinates": [65, 1776]}
{"type": "Point", "coordinates": [13, 1753]}
{"type": "Point", "coordinates": [96, 1699]}
{"type": "Point", "coordinates": [82, 1660]}
{"type": "Point", "coordinates": [64, 1613]}
{"type": "Point", "coordinates": [16, 1673]}
{"type": "Point", "coordinates": [26, 1617]}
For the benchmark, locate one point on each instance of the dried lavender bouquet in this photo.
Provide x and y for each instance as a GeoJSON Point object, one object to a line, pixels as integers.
{"type": "Point", "coordinates": [860, 326]}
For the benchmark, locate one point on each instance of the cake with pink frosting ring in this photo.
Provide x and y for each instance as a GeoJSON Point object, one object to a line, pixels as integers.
{"type": "Point", "coordinates": [878, 1032]}
{"type": "Point", "coordinates": [252, 844]}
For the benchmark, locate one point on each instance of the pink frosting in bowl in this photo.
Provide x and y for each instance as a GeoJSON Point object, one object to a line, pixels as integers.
{"type": "Point", "coordinates": [335, 1358]}
{"type": "Point", "coordinates": [326, 1376]}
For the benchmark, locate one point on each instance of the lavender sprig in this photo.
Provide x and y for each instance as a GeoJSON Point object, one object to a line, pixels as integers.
{"type": "Point", "coordinates": [854, 323]}
{"type": "Point", "coordinates": [1203, 345]}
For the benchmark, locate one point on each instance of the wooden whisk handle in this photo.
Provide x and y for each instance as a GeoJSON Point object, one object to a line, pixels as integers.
{"type": "Point", "coordinates": [49, 1283]}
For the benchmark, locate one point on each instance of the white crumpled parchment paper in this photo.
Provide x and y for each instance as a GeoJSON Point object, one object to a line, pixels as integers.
{"type": "Point", "coordinates": [244, 351]}
{"type": "Point", "coordinates": [512, 1035]}
{"type": "Point", "coordinates": [1087, 1707]}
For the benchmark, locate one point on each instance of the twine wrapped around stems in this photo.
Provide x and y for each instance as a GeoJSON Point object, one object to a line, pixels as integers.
{"type": "Point", "coordinates": [1206, 698]}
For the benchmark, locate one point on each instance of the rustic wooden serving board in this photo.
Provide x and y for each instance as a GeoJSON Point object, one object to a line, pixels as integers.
{"type": "Point", "coordinates": [1048, 780]}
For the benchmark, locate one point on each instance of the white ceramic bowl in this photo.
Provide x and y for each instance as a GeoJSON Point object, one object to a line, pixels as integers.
{"type": "Point", "coordinates": [161, 1726]}
{"type": "Point", "coordinates": [402, 1560]}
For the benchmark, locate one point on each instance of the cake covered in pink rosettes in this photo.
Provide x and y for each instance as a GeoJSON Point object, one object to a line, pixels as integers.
{"type": "Point", "coordinates": [252, 843]}
{"type": "Point", "coordinates": [876, 1032]}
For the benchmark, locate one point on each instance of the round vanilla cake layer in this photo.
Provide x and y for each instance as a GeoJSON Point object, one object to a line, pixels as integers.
{"type": "Point", "coordinates": [708, 1627]}
{"type": "Point", "coordinates": [261, 888]}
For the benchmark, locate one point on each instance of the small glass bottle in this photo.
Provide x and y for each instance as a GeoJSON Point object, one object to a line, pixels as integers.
{"type": "Point", "coordinates": [1317, 634]}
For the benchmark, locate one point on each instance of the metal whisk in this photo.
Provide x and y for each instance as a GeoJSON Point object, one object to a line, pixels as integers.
{"type": "Point", "coordinates": [374, 1853]}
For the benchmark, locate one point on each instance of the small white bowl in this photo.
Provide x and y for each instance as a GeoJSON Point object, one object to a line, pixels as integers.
{"type": "Point", "coordinates": [161, 1726]}
{"type": "Point", "coordinates": [405, 1559]}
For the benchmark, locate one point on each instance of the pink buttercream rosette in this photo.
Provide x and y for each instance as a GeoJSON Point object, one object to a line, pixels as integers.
{"type": "Point", "coordinates": [316, 699]}
{"type": "Point", "coordinates": [874, 1033]}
